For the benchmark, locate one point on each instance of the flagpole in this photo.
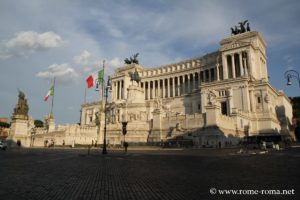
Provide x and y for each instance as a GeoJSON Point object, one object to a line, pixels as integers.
{"type": "Point", "coordinates": [84, 95]}
{"type": "Point", "coordinates": [52, 103]}
{"type": "Point", "coordinates": [103, 85]}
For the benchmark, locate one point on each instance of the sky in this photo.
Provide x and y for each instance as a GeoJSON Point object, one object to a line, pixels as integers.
{"type": "Point", "coordinates": [69, 39]}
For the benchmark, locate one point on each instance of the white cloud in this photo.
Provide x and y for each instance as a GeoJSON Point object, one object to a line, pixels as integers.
{"type": "Point", "coordinates": [34, 40]}
{"type": "Point", "coordinates": [85, 58]}
{"type": "Point", "coordinates": [90, 62]}
{"type": "Point", "coordinates": [63, 73]}
{"type": "Point", "coordinates": [115, 63]}
{"type": "Point", "coordinates": [28, 41]}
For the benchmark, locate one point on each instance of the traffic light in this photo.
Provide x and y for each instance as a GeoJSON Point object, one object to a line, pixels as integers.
{"type": "Point", "coordinates": [124, 128]}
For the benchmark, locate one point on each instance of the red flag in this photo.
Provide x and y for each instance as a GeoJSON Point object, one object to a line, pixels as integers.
{"type": "Point", "coordinates": [90, 81]}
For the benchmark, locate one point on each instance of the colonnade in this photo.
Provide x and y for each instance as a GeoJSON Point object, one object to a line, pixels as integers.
{"type": "Point", "coordinates": [236, 64]}
{"type": "Point", "coordinates": [171, 86]}
{"type": "Point", "coordinates": [118, 90]}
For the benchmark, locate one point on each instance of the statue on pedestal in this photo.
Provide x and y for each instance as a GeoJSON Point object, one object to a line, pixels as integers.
{"type": "Point", "coordinates": [22, 106]}
{"type": "Point", "coordinates": [134, 76]}
{"type": "Point", "coordinates": [211, 97]}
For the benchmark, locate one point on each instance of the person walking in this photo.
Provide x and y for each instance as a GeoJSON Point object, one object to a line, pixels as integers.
{"type": "Point", "coordinates": [126, 146]}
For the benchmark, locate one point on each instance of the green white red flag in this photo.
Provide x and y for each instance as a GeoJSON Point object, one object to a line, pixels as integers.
{"type": "Point", "coordinates": [49, 93]}
{"type": "Point", "coordinates": [93, 79]}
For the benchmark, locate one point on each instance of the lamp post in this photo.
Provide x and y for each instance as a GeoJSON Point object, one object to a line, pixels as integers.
{"type": "Point", "coordinates": [291, 74]}
{"type": "Point", "coordinates": [107, 89]}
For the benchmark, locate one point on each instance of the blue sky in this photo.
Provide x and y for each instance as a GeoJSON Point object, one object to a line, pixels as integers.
{"type": "Point", "coordinates": [70, 38]}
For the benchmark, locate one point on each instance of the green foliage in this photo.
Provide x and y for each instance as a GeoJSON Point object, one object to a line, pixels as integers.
{"type": "Point", "coordinates": [38, 123]}
{"type": "Point", "coordinates": [4, 124]}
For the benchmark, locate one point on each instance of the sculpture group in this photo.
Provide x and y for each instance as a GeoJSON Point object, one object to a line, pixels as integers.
{"type": "Point", "coordinates": [243, 27]}
{"type": "Point", "coordinates": [132, 59]}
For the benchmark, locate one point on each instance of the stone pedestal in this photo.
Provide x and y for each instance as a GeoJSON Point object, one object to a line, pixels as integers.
{"type": "Point", "coordinates": [212, 112]}
{"type": "Point", "coordinates": [20, 126]}
{"type": "Point", "coordinates": [19, 130]}
{"type": "Point", "coordinates": [135, 94]}
{"type": "Point", "coordinates": [50, 123]}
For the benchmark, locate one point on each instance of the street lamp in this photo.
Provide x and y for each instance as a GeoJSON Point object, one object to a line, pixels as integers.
{"type": "Point", "coordinates": [107, 89]}
{"type": "Point", "coordinates": [291, 74]}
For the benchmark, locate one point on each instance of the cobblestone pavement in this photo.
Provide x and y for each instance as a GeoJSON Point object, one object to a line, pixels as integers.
{"type": "Point", "coordinates": [178, 174]}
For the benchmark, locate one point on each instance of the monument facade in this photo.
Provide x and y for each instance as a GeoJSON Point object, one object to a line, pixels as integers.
{"type": "Point", "coordinates": [210, 101]}
{"type": "Point", "coordinates": [215, 99]}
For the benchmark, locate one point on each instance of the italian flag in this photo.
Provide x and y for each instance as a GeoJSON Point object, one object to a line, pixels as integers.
{"type": "Point", "coordinates": [93, 78]}
{"type": "Point", "coordinates": [50, 93]}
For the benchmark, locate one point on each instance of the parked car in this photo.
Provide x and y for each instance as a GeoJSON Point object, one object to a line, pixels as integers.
{"type": "Point", "coordinates": [3, 145]}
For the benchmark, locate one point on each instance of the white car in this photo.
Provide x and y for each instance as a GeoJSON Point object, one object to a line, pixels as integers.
{"type": "Point", "coordinates": [3, 145]}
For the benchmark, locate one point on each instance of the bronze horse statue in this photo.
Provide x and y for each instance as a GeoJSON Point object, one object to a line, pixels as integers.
{"type": "Point", "coordinates": [134, 76]}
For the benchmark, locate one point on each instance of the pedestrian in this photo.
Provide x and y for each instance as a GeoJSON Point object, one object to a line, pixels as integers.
{"type": "Point", "coordinates": [264, 146]}
{"type": "Point", "coordinates": [19, 143]}
{"type": "Point", "coordinates": [126, 146]}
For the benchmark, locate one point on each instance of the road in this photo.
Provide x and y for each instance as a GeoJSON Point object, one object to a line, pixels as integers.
{"type": "Point", "coordinates": [142, 174]}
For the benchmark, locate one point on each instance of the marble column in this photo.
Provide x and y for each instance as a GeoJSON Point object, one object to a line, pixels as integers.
{"type": "Point", "coordinates": [158, 88]}
{"type": "Point", "coordinates": [245, 66]}
{"type": "Point", "coordinates": [148, 90]}
{"type": "Point", "coordinates": [183, 84]}
{"type": "Point", "coordinates": [233, 66]}
{"type": "Point", "coordinates": [225, 67]}
{"type": "Point", "coordinates": [119, 90]}
{"type": "Point", "coordinates": [189, 84]}
{"type": "Point", "coordinates": [168, 87]}
{"type": "Point", "coordinates": [241, 64]}
{"type": "Point", "coordinates": [163, 88]}
{"type": "Point", "coordinates": [217, 71]}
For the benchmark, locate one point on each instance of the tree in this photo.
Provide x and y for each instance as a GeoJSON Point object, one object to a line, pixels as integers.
{"type": "Point", "coordinates": [4, 125]}
{"type": "Point", "coordinates": [38, 123]}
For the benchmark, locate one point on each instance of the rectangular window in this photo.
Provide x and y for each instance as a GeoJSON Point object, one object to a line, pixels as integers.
{"type": "Point", "coordinates": [224, 108]}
